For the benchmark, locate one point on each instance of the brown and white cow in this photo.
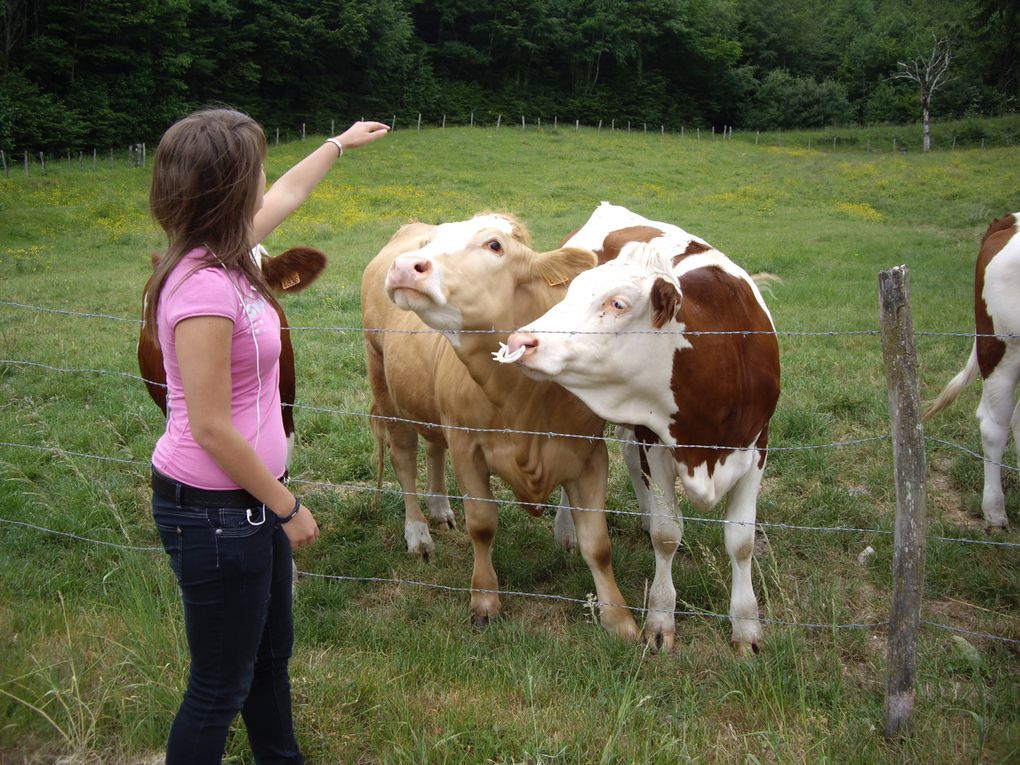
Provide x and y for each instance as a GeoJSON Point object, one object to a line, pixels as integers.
{"type": "Point", "coordinates": [996, 355]}
{"type": "Point", "coordinates": [673, 341]}
{"type": "Point", "coordinates": [290, 272]}
{"type": "Point", "coordinates": [466, 279]}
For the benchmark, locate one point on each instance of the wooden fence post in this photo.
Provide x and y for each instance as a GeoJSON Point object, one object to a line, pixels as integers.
{"type": "Point", "coordinates": [3, 157]}
{"type": "Point", "coordinates": [909, 469]}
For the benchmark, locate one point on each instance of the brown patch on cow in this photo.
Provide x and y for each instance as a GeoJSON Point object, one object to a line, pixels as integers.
{"type": "Point", "coordinates": [615, 240]}
{"type": "Point", "coordinates": [726, 386]}
{"type": "Point", "coordinates": [989, 349]}
{"type": "Point", "coordinates": [666, 302]}
{"type": "Point", "coordinates": [693, 248]}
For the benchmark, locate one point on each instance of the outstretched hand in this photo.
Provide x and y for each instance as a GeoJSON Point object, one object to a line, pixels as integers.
{"type": "Point", "coordinates": [361, 133]}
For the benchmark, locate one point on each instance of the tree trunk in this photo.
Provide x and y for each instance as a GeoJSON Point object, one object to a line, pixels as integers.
{"type": "Point", "coordinates": [926, 121]}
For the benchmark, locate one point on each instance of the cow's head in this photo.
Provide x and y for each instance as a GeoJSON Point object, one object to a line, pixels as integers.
{"type": "Point", "coordinates": [478, 273]}
{"type": "Point", "coordinates": [615, 330]}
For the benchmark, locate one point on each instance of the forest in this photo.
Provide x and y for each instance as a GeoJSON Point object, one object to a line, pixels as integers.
{"type": "Point", "coordinates": [78, 74]}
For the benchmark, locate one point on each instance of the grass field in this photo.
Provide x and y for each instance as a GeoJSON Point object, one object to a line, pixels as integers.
{"type": "Point", "coordinates": [92, 652]}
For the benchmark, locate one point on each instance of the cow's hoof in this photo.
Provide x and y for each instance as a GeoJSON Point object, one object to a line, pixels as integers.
{"type": "Point", "coordinates": [419, 541]}
{"type": "Point", "coordinates": [658, 641]}
{"type": "Point", "coordinates": [442, 515]}
{"type": "Point", "coordinates": [746, 650]}
{"type": "Point", "coordinates": [482, 621]}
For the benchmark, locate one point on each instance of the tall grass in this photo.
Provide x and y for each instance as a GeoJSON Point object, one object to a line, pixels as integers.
{"type": "Point", "coordinates": [92, 654]}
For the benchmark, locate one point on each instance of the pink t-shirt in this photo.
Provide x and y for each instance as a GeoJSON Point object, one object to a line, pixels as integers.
{"type": "Point", "coordinates": [254, 371]}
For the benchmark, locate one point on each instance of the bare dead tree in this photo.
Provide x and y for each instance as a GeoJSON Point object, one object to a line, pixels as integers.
{"type": "Point", "coordinates": [930, 72]}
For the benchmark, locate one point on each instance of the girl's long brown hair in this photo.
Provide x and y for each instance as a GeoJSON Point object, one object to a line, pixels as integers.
{"type": "Point", "coordinates": [205, 183]}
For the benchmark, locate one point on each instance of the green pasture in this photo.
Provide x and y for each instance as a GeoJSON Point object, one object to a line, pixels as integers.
{"type": "Point", "coordinates": [92, 652]}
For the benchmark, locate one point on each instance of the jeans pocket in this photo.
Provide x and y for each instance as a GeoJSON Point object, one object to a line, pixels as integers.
{"type": "Point", "coordinates": [172, 538]}
{"type": "Point", "coordinates": [244, 540]}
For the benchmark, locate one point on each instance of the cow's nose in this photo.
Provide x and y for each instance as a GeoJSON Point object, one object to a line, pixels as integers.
{"type": "Point", "coordinates": [408, 271]}
{"type": "Point", "coordinates": [519, 340]}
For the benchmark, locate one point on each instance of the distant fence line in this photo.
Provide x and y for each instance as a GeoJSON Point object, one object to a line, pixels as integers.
{"type": "Point", "coordinates": [869, 139]}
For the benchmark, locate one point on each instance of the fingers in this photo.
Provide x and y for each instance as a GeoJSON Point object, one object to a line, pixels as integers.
{"type": "Point", "coordinates": [302, 530]}
{"type": "Point", "coordinates": [361, 133]}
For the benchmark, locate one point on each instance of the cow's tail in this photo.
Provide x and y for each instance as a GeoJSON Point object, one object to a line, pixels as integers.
{"type": "Point", "coordinates": [763, 280]}
{"type": "Point", "coordinates": [963, 378]}
{"type": "Point", "coordinates": [379, 434]}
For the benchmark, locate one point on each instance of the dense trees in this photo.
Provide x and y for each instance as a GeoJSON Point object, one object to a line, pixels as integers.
{"type": "Point", "coordinates": [84, 73]}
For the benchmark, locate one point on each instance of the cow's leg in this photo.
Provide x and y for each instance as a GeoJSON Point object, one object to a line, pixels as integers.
{"type": "Point", "coordinates": [741, 513]}
{"type": "Point", "coordinates": [403, 443]}
{"type": "Point", "coordinates": [639, 479]}
{"type": "Point", "coordinates": [438, 500]}
{"type": "Point", "coordinates": [563, 527]}
{"type": "Point", "coordinates": [593, 542]}
{"type": "Point", "coordinates": [665, 529]}
{"type": "Point", "coordinates": [994, 413]}
{"type": "Point", "coordinates": [481, 517]}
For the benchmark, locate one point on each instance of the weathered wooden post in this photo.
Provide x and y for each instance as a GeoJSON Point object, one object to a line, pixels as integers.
{"type": "Point", "coordinates": [909, 469]}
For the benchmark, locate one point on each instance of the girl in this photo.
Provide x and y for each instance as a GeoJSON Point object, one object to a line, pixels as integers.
{"type": "Point", "coordinates": [225, 519]}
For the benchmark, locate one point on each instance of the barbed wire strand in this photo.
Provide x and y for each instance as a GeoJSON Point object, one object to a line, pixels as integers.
{"type": "Point", "coordinates": [345, 330]}
{"type": "Point", "coordinates": [353, 487]}
{"type": "Point", "coordinates": [583, 603]}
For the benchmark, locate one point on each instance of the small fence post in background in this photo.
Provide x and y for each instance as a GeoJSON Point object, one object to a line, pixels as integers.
{"type": "Point", "coordinates": [522, 122]}
{"type": "Point", "coordinates": [3, 158]}
{"type": "Point", "coordinates": [332, 129]}
{"type": "Point", "coordinates": [277, 136]}
{"type": "Point", "coordinates": [498, 120]}
{"type": "Point", "coordinates": [577, 125]}
{"type": "Point", "coordinates": [393, 125]}
{"type": "Point", "coordinates": [444, 122]}
{"type": "Point", "coordinates": [556, 122]}
{"type": "Point", "coordinates": [419, 120]}
{"type": "Point", "coordinates": [909, 470]}
{"type": "Point", "coordinates": [302, 131]}
{"type": "Point", "coordinates": [42, 162]}
{"type": "Point", "coordinates": [26, 163]}
{"type": "Point", "coordinates": [472, 119]}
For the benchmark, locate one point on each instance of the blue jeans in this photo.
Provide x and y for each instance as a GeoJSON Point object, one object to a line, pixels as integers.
{"type": "Point", "coordinates": [234, 569]}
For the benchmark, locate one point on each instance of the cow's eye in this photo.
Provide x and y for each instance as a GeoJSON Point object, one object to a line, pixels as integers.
{"type": "Point", "coordinates": [495, 245]}
{"type": "Point", "coordinates": [616, 305]}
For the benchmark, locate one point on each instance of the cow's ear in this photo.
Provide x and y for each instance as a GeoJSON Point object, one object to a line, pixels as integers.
{"type": "Point", "coordinates": [561, 266]}
{"type": "Point", "coordinates": [293, 270]}
{"type": "Point", "coordinates": [666, 301]}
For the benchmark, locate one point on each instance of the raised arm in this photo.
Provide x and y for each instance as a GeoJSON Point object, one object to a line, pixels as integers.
{"type": "Point", "coordinates": [294, 186]}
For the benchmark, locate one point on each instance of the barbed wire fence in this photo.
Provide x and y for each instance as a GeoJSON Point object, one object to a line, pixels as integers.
{"type": "Point", "coordinates": [909, 532]}
{"type": "Point", "coordinates": [25, 161]}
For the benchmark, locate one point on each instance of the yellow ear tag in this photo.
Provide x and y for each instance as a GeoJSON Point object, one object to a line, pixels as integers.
{"type": "Point", "coordinates": [290, 281]}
